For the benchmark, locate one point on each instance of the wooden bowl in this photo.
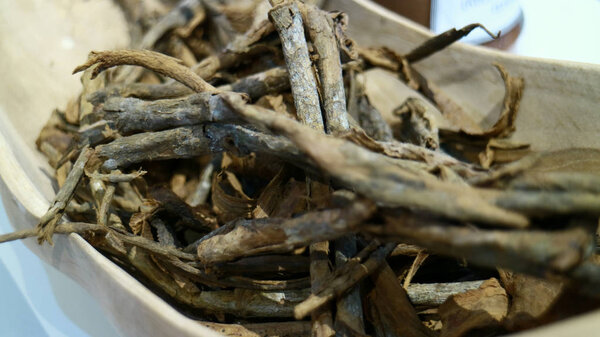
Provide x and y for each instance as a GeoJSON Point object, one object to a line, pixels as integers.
{"type": "Point", "coordinates": [42, 41]}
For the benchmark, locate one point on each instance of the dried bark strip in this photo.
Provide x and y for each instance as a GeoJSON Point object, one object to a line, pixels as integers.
{"type": "Point", "coordinates": [183, 142]}
{"type": "Point", "coordinates": [372, 175]}
{"type": "Point", "coordinates": [49, 220]}
{"type": "Point", "coordinates": [390, 310]}
{"type": "Point", "coordinates": [287, 20]}
{"type": "Point", "coordinates": [322, 319]}
{"type": "Point", "coordinates": [533, 252]}
{"type": "Point", "coordinates": [434, 294]}
{"type": "Point", "coordinates": [273, 235]}
{"type": "Point", "coordinates": [116, 176]}
{"type": "Point", "coordinates": [160, 63]}
{"type": "Point", "coordinates": [271, 81]}
{"type": "Point", "coordinates": [320, 30]}
{"type": "Point", "coordinates": [103, 210]}
{"type": "Point", "coordinates": [342, 280]}
{"type": "Point", "coordinates": [281, 265]}
{"type": "Point", "coordinates": [482, 309]}
{"type": "Point", "coordinates": [238, 302]}
{"type": "Point", "coordinates": [443, 40]}
{"type": "Point", "coordinates": [130, 115]}
{"type": "Point", "coordinates": [349, 308]}
{"type": "Point", "coordinates": [191, 141]}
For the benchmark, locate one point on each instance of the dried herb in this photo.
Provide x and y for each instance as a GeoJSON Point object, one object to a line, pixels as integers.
{"type": "Point", "coordinates": [243, 172]}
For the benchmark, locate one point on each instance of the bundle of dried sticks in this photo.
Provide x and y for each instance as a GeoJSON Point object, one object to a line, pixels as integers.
{"type": "Point", "coordinates": [248, 178]}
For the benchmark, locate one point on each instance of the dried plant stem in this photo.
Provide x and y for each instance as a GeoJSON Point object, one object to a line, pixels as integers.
{"type": "Point", "coordinates": [442, 41]}
{"type": "Point", "coordinates": [271, 81]}
{"type": "Point", "coordinates": [370, 174]}
{"type": "Point", "coordinates": [349, 309]}
{"type": "Point", "coordinates": [63, 228]}
{"type": "Point", "coordinates": [268, 82]}
{"type": "Point", "coordinates": [265, 265]}
{"type": "Point", "coordinates": [434, 294]}
{"type": "Point", "coordinates": [342, 280]}
{"type": "Point", "coordinates": [417, 262]}
{"type": "Point", "coordinates": [129, 115]}
{"type": "Point", "coordinates": [116, 176]}
{"type": "Point", "coordinates": [322, 319]}
{"type": "Point", "coordinates": [49, 220]}
{"type": "Point", "coordinates": [103, 210]}
{"type": "Point", "coordinates": [273, 235]}
{"type": "Point", "coordinates": [196, 140]}
{"type": "Point", "coordinates": [238, 302]}
{"type": "Point", "coordinates": [160, 63]}
{"type": "Point", "coordinates": [287, 20]}
{"type": "Point", "coordinates": [533, 252]}
{"type": "Point", "coordinates": [83, 228]}
{"type": "Point", "coordinates": [390, 310]}
{"type": "Point", "coordinates": [320, 29]}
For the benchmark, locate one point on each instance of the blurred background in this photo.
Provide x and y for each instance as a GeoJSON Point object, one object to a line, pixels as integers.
{"type": "Point", "coordinates": [37, 300]}
{"type": "Point", "coordinates": [558, 29]}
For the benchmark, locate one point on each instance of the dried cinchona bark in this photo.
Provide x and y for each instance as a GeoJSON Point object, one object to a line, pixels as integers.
{"type": "Point", "coordinates": [242, 171]}
{"type": "Point", "coordinates": [287, 20]}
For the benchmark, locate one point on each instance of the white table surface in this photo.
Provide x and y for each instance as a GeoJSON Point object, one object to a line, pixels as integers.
{"type": "Point", "coordinates": [37, 300]}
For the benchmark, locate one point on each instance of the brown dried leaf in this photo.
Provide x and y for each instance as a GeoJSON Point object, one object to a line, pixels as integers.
{"type": "Point", "coordinates": [489, 146]}
{"type": "Point", "coordinates": [271, 196]}
{"type": "Point", "coordinates": [294, 199]}
{"type": "Point", "coordinates": [390, 311]}
{"type": "Point", "coordinates": [140, 222]}
{"type": "Point", "coordinates": [228, 199]}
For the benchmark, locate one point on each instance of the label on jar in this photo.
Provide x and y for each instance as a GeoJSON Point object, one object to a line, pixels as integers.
{"type": "Point", "coordinates": [495, 15]}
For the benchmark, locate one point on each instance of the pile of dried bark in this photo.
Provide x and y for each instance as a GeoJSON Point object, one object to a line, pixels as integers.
{"type": "Point", "coordinates": [248, 179]}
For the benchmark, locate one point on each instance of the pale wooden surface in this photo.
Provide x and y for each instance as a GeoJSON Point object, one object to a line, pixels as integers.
{"type": "Point", "coordinates": [560, 102]}
{"type": "Point", "coordinates": [42, 41]}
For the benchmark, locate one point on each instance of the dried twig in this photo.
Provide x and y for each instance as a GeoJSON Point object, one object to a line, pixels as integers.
{"type": "Point", "coordinates": [320, 29]}
{"type": "Point", "coordinates": [160, 63]}
{"type": "Point", "coordinates": [50, 219]}
{"type": "Point", "coordinates": [272, 235]}
{"type": "Point", "coordinates": [443, 40]}
{"type": "Point", "coordinates": [434, 294]}
{"type": "Point", "coordinates": [342, 280]}
{"type": "Point", "coordinates": [287, 20]}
